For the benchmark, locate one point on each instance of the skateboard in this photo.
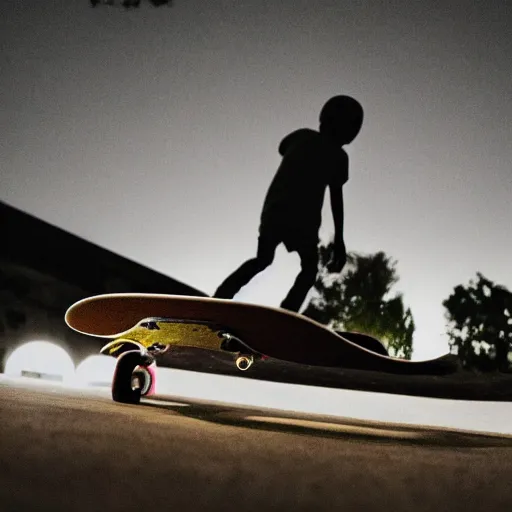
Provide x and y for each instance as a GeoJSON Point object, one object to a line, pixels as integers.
{"type": "Point", "coordinates": [141, 327]}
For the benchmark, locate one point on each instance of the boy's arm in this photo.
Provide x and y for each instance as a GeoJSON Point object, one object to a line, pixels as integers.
{"type": "Point", "coordinates": [336, 191]}
{"type": "Point", "coordinates": [340, 255]}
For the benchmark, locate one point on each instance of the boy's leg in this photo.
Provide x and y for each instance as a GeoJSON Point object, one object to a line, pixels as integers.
{"type": "Point", "coordinates": [305, 280]}
{"type": "Point", "coordinates": [240, 277]}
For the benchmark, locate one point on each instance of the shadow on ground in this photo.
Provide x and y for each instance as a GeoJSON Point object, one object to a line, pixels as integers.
{"type": "Point", "coordinates": [328, 427]}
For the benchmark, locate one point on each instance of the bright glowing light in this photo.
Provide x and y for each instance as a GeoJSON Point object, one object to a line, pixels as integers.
{"type": "Point", "coordinates": [96, 370]}
{"type": "Point", "coordinates": [41, 360]}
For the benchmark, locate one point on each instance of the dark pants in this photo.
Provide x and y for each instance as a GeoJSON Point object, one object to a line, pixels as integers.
{"type": "Point", "coordinates": [267, 246]}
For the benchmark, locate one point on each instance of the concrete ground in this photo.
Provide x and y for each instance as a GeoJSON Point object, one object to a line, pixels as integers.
{"type": "Point", "coordinates": [79, 451]}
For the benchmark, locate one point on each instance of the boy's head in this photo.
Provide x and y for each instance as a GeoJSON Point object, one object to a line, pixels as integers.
{"type": "Point", "coordinates": [341, 118]}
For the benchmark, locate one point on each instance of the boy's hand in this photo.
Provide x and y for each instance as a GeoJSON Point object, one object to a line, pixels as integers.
{"type": "Point", "coordinates": [339, 258]}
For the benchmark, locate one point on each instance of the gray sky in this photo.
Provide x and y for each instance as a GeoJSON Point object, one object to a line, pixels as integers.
{"type": "Point", "coordinates": [154, 133]}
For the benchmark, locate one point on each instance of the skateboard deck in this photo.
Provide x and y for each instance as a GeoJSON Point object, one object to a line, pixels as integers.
{"type": "Point", "coordinates": [161, 321]}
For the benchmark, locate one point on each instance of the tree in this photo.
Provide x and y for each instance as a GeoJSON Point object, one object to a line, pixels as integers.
{"type": "Point", "coordinates": [358, 300]}
{"type": "Point", "coordinates": [480, 324]}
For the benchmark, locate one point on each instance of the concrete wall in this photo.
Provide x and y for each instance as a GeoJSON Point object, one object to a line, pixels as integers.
{"type": "Point", "coordinates": [43, 270]}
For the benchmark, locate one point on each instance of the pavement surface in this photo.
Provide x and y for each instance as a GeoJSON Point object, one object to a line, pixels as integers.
{"type": "Point", "coordinates": [76, 450]}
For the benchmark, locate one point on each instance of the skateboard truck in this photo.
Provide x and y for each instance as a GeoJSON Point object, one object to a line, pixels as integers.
{"type": "Point", "coordinates": [231, 343]}
{"type": "Point", "coordinates": [157, 349]}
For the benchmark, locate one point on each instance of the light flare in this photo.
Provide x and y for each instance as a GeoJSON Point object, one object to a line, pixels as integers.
{"type": "Point", "coordinates": [95, 371]}
{"type": "Point", "coordinates": [41, 360]}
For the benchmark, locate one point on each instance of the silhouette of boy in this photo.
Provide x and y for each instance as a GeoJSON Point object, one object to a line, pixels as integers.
{"type": "Point", "coordinates": [312, 161]}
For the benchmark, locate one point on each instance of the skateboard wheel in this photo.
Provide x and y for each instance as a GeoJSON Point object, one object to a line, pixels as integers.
{"type": "Point", "coordinates": [243, 363]}
{"type": "Point", "coordinates": [144, 377]}
{"type": "Point", "coordinates": [125, 387]}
